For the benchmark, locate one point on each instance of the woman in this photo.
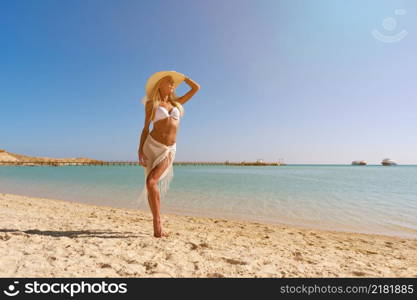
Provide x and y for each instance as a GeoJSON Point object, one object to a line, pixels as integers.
{"type": "Point", "coordinates": [156, 151]}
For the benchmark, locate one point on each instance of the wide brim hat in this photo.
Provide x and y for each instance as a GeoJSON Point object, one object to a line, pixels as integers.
{"type": "Point", "coordinates": [154, 78]}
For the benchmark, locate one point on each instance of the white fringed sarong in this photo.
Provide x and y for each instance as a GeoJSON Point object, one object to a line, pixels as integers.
{"type": "Point", "coordinates": [155, 153]}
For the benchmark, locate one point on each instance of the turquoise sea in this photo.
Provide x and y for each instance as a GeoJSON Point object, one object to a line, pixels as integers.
{"type": "Point", "coordinates": [368, 199]}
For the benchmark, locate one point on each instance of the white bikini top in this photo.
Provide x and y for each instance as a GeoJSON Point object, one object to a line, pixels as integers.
{"type": "Point", "coordinates": [162, 113]}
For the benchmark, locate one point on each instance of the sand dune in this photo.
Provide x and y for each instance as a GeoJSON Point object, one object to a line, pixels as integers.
{"type": "Point", "coordinates": [6, 156]}
{"type": "Point", "coordinates": [51, 238]}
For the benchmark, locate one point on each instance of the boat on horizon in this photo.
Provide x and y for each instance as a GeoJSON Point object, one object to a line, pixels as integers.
{"type": "Point", "coordinates": [389, 162]}
{"type": "Point", "coordinates": [359, 163]}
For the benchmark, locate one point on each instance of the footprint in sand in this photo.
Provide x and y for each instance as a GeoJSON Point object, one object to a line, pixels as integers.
{"type": "Point", "coordinates": [104, 265]}
{"type": "Point", "coordinates": [149, 265]}
{"type": "Point", "coordinates": [193, 246]}
{"type": "Point", "coordinates": [131, 261]}
{"type": "Point", "coordinates": [235, 261]}
{"type": "Point", "coordinates": [5, 237]}
{"type": "Point", "coordinates": [297, 256]}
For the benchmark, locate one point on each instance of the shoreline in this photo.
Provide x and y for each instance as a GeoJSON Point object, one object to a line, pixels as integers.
{"type": "Point", "coordinates": [294, 223]}
{"type": "Point", "coordinates": [44, 237]}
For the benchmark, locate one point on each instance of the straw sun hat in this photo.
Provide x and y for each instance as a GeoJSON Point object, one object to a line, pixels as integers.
{"type": "Point", "coordinates": [153, 79]}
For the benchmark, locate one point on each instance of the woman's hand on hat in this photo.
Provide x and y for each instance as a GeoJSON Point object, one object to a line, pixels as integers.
{"type": "Point", "coordinates": [192, 83]}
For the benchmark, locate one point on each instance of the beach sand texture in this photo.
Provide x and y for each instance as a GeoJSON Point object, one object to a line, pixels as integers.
{"type": "Point", "coordinates": [51, 238]}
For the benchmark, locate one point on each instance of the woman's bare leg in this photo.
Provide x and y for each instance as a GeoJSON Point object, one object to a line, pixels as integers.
{"type": "Point", "coordinates": [154, 195]}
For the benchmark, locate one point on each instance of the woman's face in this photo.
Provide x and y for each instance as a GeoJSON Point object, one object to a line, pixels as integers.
{"type": "Point", "coordinates": [167, 85]}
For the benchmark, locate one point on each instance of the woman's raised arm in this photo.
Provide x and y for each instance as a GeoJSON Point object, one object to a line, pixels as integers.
{"type": "Point", "coordinates": [194, 88]}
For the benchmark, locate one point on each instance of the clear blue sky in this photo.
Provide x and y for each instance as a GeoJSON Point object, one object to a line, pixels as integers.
{"type": "Point", "coordinates": [305, 81]}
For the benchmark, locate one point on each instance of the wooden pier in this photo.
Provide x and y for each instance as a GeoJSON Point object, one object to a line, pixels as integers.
{"type": "Point", "coordinates": [128, 163]}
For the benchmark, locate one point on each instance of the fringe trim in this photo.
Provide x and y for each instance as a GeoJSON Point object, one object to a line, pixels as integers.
{"type": "Point", "coordinates": [163, 184]}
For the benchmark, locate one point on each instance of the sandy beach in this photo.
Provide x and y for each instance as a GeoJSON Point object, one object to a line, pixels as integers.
{"type": "Point", "coordinates": [52, 238]}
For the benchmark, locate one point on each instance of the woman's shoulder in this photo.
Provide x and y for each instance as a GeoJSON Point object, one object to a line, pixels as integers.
{"type": "Point", "coordinates": [149, 105]}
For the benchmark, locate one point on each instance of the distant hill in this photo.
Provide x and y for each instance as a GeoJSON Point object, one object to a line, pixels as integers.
{"type": "Point", "coordinates": [14, 157]}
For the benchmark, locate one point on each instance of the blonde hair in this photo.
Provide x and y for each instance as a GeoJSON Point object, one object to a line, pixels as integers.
{"type": "Point", "coordinates": [155, 97]}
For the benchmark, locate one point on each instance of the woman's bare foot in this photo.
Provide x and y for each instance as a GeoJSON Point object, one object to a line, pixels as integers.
{"type": "Point", "coordinates": [157, 229]}
{"type": "Point", "coordinates": [163, 234]}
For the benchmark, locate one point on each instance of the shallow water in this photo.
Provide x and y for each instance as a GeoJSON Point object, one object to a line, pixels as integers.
{"type": "Point", "coordinates": [369, 199]}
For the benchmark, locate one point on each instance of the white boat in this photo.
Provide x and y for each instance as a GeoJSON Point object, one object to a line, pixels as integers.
{"type": "Point", "coordinates": [359, 163]}
{"type": "Point", "coordinates": [389, 162]}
